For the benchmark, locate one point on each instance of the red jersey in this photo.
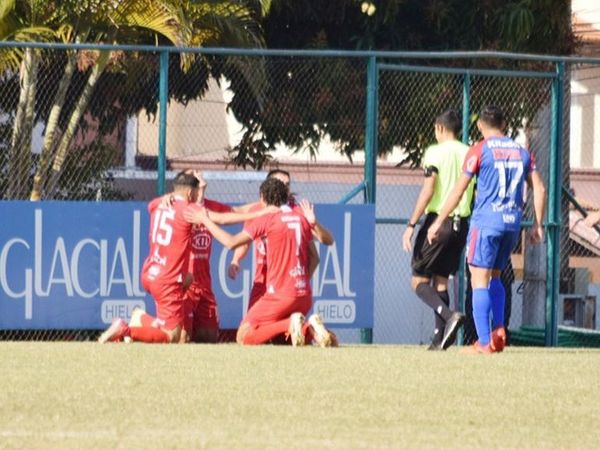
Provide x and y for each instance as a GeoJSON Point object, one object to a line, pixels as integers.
{"type": "Point", "coordinates": [199, 265]}
{"type": "Point", "coordinates": [288, 234]}
{"type": "Point", "coordinates": [169, 237]}
{"type": "Point", "coordinates": [260, 247]}
{"type": "Point", "coordinates": [260, 253]}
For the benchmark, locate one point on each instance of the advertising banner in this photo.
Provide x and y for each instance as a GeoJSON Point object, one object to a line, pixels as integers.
{"type": "Point", "coordinates": [76, 265]}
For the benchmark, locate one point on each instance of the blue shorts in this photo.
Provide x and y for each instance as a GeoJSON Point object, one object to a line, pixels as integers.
{"type": "Point", "coordinates": [489, 248]}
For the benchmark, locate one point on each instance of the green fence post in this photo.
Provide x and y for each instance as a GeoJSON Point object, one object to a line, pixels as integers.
{"type": "Point", "coordinates": [366, 334]}
{"type": "Point", "coordinates": [554, 195]}
{"type": "Point", "coordinates": [371, 131]}
{"type": "Point", "coordinates": [466, 122]}
{"type": "Point", "coordinates": [163, 98]}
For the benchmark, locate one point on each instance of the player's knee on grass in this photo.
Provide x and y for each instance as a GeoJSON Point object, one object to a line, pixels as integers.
{"type": "Point", "coordinates": [241, 333]}
{"type": "Point", "coordinates": [206, 335]}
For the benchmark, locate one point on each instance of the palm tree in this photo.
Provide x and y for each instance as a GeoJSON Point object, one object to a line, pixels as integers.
{"type": "Point", "coordinates": [23, 22]}
{"type": "Point", "coordinates": [126, 20]}
{"type": "Point", "coordinates": [189, 23]}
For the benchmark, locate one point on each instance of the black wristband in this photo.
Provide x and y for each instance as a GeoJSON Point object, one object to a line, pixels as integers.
{"type": "Point", "coordinates": [411, 225]}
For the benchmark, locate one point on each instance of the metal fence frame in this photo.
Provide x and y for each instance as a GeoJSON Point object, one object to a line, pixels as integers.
{"type": "Point", "coordinates": [374, 66]}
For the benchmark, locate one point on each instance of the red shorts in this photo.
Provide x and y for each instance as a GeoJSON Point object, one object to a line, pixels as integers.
{"type": "Point", "coordinates": [200, 310]}
{"type": "Point", "coordinates": [169, 302]}
{"type": "Point", "coordinates": [269, 309]}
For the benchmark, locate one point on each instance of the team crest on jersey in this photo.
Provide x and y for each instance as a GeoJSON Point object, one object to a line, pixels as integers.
{"type": "Point", "coordinates": [201, 240]}
{"type": "Point", "coordinates": [471, 163]}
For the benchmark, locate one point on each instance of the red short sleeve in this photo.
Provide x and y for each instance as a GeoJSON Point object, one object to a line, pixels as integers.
{"type": "Point", "coordinates": [257, 227]}
{"type": "Point", "coordinates": [532, 164]}
{"type": "Point", "coordinates": [154, 204]}
{"type": "Point", "coordinates": [472, 161]}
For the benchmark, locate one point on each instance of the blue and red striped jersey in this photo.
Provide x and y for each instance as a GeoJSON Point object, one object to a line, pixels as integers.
{"type": "Point", "coordinates": [501, 166]}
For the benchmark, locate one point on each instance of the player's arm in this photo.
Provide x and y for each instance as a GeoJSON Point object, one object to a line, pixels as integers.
{"type": "Point", "coordinates": [319, 232]}
{"type": "Point", "coordinates": [245, 208]}
{"type": "Point", "coordinates": [187, 281]}
{"type": "Point", "coordinates": [313, 258]}
{"type": "Point", "coordinates": [427, 191]}
{"type": "Point", "coordinates": [228, 240]}
{"type": "Point", "coordinates": [449, 205]}
{"type": "Point", "coordinates": [454, 198]}
{"type": "Point", "coordinates": [238, 254]}
{"type": "Point", "coordinates": [535, 182]}
{"type": "Point", "coordinates": [322, 234]}
{"type": "Point", "coordinates": [227, 218]}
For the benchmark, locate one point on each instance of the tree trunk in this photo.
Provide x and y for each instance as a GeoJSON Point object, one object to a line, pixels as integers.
{"type": "Point", "coordinates": [51, 126]}
{"type": "Point", "coordinates": [67, 137]}
{"type": "Point", "coordinates": [25, 166]}
{"type": "Point", "coordinates": [16, 162]}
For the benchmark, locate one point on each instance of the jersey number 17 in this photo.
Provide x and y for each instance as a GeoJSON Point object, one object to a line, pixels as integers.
{"type": "Point", "coordinates": [514, 169]}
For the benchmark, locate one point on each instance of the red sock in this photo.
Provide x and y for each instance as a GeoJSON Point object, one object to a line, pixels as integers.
{"type": "Point", "coordinates": [261, 334]}
{"type": "Point", "coordinates": [148, 334]}
{"type": "Point", "coordinates": [307, 332]}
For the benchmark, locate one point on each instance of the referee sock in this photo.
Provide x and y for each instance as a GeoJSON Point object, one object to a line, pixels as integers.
{"type": "Point", "coordinates": [481, 314]}
{"type": "Point", "coordinates": [498, 297]}
{"type": "Point", "coordinates": [440, 325]}
{"type": "Point", "coordinates": [431, 298]}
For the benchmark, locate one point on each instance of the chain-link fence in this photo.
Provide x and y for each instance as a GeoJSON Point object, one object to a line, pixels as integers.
{"type": "Point", "coordinates": [84, 123]}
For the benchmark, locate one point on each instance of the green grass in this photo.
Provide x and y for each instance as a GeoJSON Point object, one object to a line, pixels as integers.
{"type": "Point", "coordinates": [83, 395]}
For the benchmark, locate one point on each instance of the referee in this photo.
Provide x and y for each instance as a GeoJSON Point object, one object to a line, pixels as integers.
{"type": "Point", "coordinates": [433, 263]}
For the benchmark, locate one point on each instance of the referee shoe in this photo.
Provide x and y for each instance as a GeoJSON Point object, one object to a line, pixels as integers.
{"type": "Point", "coordinates": [452, 326]}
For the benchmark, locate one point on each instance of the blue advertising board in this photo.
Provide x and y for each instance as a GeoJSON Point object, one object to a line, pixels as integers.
{"type": "Point", "coordinates": [76, 265]}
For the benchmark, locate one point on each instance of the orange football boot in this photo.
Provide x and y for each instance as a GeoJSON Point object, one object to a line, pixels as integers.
{"type": "Point", "coordinates": [498, 339]}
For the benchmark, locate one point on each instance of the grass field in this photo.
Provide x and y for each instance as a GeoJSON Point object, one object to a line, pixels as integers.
{"type": "Point", "coordinates": [84, 395]}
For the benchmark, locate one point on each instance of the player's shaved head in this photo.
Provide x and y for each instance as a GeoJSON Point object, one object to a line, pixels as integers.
{"type": "Point", "coordinates": [450, 120]}
{"type": "Point", "coordinates": [274, 192]}
{"type": "Point", "coordinates": [492, 116]}
{"type": "Point", "coordinates": [185, 180]}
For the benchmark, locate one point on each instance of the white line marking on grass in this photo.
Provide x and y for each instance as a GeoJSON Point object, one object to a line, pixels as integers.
{"type": "Point", "coordinates": [96, 434]}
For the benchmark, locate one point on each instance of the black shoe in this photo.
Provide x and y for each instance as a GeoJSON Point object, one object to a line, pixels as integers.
{"type": "Point", "coordinates": [452, 326]}
{"type": "Point", "coordinates": [434, 347]}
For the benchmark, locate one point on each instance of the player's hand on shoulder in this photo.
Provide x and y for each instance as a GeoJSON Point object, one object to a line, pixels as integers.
{"type": "Point", "coordinates": [309, 211]}
{"type": "Point", "coordinates": [407, 239]}
{"type": "Point", "coordinates": [195, 214]}
{"type": "Point", "coordinates": [233, 270]}
{"type": "Point", "coordinates": [167, 200]}
{"type": "Point", "coordinates": [201, 181]}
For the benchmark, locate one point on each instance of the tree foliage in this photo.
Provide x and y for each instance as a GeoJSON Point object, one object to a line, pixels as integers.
{"type": "Point", "coordinates": [309, 99]}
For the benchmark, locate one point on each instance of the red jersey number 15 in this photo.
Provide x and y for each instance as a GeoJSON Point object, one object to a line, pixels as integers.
{"type": "Point", "coordinates": [162, 231]}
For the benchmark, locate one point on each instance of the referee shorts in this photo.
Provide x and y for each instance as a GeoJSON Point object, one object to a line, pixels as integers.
{"type": "Point", "coordinates": [441, 258]}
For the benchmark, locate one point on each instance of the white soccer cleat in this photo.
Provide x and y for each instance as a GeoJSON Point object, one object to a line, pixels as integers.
{"type": "Point", "coordinates": [322, 336]}
{"type": "Point", "coordinates": [136, 317]}
{"type": "Point", "coordinates": [295, 330]}
{"type": "Point", "coordinates": [115, 333]}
